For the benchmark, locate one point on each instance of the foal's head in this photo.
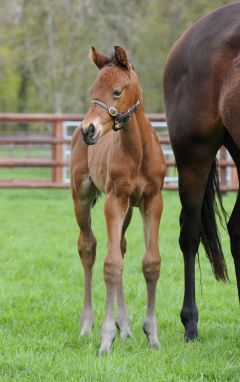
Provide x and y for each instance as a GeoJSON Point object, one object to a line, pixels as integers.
{"type": "Point", "coordinates": [115, 91]}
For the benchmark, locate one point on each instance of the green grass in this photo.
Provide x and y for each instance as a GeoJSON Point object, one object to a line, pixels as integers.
{"type": "Point", "coordinates": [41, 289]}
{"type": "Point", "coordinates": [37, 173]}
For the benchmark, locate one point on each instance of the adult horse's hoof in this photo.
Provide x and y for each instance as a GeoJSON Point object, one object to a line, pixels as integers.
{"type": "Point", "coordinates": [189, 318]}
{"type": "Point", "coordinates": [191, 335]}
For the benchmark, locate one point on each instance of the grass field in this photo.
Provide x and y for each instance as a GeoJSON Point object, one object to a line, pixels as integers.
{"type": "Point", "coordinates": [41, 289]}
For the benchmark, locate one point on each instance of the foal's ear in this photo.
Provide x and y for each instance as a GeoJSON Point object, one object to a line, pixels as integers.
{"type": "Point", "coordinates": [98, 58]}
{"type": "Point", "coordinates": [121, 57]}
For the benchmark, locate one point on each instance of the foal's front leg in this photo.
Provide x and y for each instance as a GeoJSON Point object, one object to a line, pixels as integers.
{"type": "Point", "coordinates": [87, 253]}
{"type": "Point", "coordinates": [123, 320]}
{"type": "Point", "coordinates": [151, 211]}
{"type": "Point", "coordinates": [115, 212]}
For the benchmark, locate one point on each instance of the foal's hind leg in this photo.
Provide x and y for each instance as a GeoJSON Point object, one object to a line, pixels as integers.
{"type": "Point", "coordinates": [151, 211]}
{"type": "Point", "coordinates": [234, 221]}
{"type": "Point", "coordinates": [123, 320]}
{"type": "Point", "coordinates": [83, 197]}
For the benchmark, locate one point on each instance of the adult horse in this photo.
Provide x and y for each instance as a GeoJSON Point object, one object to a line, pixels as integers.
{"type": "Point", "coordinates": [116, 151]}
{"type": "Point", "coordinates": [202, 93]}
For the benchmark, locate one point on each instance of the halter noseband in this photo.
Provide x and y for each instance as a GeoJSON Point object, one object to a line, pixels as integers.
{"type": "Point", "coordinates": [117, 117]}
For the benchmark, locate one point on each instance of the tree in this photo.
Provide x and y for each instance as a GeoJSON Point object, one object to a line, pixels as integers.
{"type": "Point", "coordinates": [44, 47]}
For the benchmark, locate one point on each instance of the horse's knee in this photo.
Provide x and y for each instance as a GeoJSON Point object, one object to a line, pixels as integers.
{"type": "Point", "coordinates": [113, 268]}
{"type": "Point", "coordinates": [87, 250]}
{"type": "Point", "coordinates": [151, 266]}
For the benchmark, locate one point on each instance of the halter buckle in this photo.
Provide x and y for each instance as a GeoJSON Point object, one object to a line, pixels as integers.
{"type": "Point", "coordinates": [112, 111]}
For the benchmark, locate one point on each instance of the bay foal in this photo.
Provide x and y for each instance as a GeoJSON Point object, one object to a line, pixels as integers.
{"type": "Point", "coordinates": [116, 151]}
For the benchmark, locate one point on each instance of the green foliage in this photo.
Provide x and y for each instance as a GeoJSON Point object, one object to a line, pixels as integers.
{"type": "Point", "coordinates": [44, 58]}
{"type": "Point", "coordinates": [9, 80]}
{"type": "Point", "coordinates": [41, 294]}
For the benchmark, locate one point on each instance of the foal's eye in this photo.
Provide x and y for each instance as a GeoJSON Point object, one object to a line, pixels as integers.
{"type": "Point", "coordinates": [117, 93]}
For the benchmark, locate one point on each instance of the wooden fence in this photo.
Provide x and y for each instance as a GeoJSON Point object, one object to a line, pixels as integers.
{"type": "Point", "coordinates": [57, 161]}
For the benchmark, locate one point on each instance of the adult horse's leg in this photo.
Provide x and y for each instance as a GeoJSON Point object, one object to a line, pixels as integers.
{"type": "Point", "coordinates": [234, 221]}
{"type": "Point", "coordinates": [229, 109]}
{"type": "Point", "coordinates": [123, 320]}
{"type": "Point", "coordinates": [190, 221]}
{"type": "Point", "coordinates": [151, 210]}
{"type": "Point", "coordinates": [115, 210]}
{"type": "Point", "coordinates": [83, 198]}
{"type": "Point", "coordinates": [194, 189]}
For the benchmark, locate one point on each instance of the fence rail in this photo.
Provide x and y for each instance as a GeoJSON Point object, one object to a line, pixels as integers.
{"type": "Point", "coordinates": [57, 162]}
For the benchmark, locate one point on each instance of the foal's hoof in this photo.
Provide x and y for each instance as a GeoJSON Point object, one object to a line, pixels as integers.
{"type": "Point", "coordinates": [108, 336]}
{"type": "Point", "coordinates": [85, 331]}
{"type": "Point", "coordinates": [86, 324]}
{"type": "Point", "coordinates": [154, 343]}
{"type": "Point", "coordinates": [150, 329]}
{"type": "Point", "coordinates": [124, 328]}
{"type": "Point", "coordinates": [106, 345]}
{"type": "Point", "coordinates": [125, 332]}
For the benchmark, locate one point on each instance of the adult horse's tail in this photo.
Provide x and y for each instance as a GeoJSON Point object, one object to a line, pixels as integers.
{"type": "Point", "coordinates": [210, 235]}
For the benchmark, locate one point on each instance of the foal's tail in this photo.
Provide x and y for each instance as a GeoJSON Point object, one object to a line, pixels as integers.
{"type": "Point", "coordinates": [210, 235]}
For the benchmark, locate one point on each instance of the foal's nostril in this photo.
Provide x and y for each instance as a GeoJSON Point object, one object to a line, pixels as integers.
{"type": "Point", "coordinates": [88, 134]}
{"type": "Point", "coordinates": [91, 130]}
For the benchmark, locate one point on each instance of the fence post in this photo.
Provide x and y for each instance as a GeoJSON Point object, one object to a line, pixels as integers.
{"type": "Point", "coordinates": [235, 180]}
{"type": "Point", "coordinates": [223, 169]}
{"type": "Point", "coordinates": [57, 152]}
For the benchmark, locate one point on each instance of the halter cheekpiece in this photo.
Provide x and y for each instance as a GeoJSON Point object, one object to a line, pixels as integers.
{"type": "Point", "coordinates": [117, 117]}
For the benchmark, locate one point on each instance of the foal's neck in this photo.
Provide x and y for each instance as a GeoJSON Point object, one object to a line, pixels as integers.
{"type": "Point", "coordinates": [135, 136]}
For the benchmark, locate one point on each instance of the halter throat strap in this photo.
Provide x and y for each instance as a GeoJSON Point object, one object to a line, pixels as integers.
{"type": "Point", "coordinates": [117, 117]}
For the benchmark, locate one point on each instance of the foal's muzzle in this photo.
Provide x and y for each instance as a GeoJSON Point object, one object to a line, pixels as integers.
{"type": "Point", "coordinates": [90, 134]}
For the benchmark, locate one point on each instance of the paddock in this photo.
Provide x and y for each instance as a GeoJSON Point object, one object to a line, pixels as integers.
{"type": "Point", "coordinates": [41, 288]}
{"type": "Point", "coordinates": [44, 67]}
{"type": "Point", "coordinates": [41, 280]}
